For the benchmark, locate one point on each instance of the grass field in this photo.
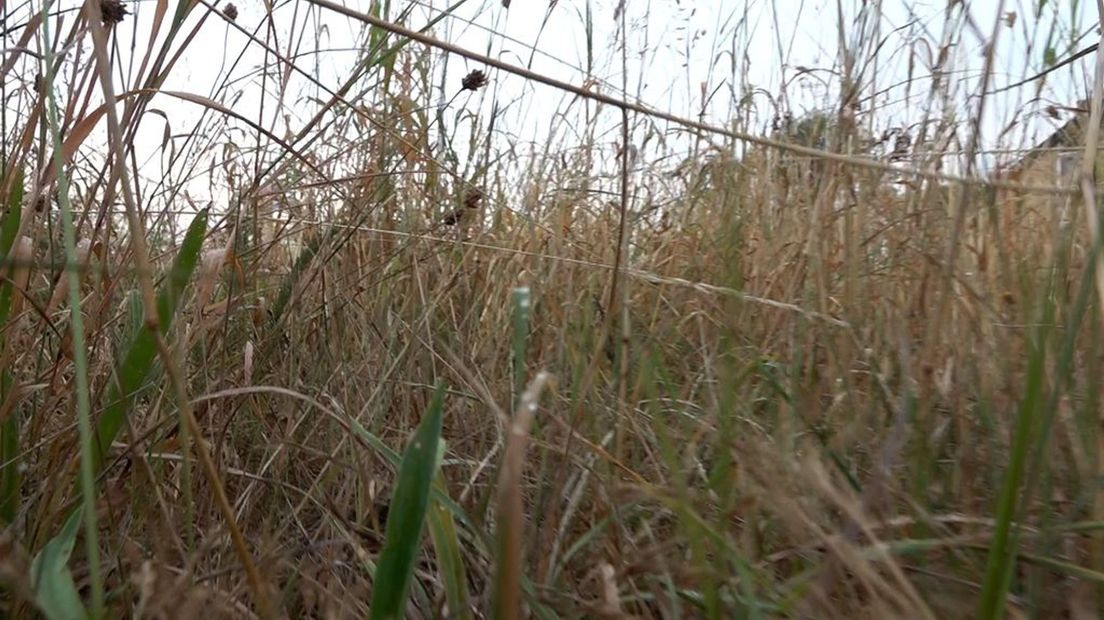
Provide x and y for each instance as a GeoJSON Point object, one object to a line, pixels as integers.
{"type": "Point", "coordinates": [407, 363]}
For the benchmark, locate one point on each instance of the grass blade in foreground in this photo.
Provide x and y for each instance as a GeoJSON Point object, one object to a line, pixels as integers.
{"type": "Point", "coordinates": [450, 562]}
{"type": "Point", "coordinates": [54, 591]}
{"type": "Point", "coordinates": [522, 304]}
{"type": "Point", "coordinates": [408, 510]}
{"type": "Point", "coordinates": [139, 359]}
{"type": "Point", "coordinates": [9, 433]}
{"type": "Point", "coordinates": [1001, 554]}
{"type": "Point", "coordinates": [508, 570]}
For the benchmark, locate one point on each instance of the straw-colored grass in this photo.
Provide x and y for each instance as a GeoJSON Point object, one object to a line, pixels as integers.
{"type": "Point", "coordinates": [777, 378]}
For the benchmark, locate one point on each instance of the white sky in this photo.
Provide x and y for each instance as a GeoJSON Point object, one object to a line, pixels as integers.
{"type": "Point", "coordinates": [733, 47]}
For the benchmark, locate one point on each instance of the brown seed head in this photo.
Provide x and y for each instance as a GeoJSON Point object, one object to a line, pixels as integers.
{"type": "Point", "coordinates": [230, 11]}
{"type": "Point", "coordinates": [470, 203]}
{"type": "Point", "coordinates": [474, 80]}
{"type": "Point", "coordinates": [453, 218]}
{"type": "Point", "coordinates": [113, 11]}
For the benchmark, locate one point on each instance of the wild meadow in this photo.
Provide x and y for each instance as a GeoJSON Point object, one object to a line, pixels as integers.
{"type": "Point", "coordinates": [300, 341]}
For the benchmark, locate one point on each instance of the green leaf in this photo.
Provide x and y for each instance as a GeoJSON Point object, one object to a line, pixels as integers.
{"type": "Point", "coordinates": [134, 321]}
{"type": "Point", "coordinates": [442, 519]}
{"type": "Point", "coordinates": [9, 433]}
{"type": "Point", "coordinates": [1050, 57]}
{"type": "Point", "coordinates": [523, 301]}
{"type": "Point", "coordinates": [1034, 423]}
{"type": "Point", "coordinates": [306, 255]}
{"type": "Point", "coordinates": [139, 358]}
{"type": "Point", "coordinates": [9, 228]}
{"type": "Point", "coordinates": [438, 494]}
{"type": "Point", "coordinates": [407, 514]}
{"type": "Point", "coordinates": [446, 545]}
{"type": "Point", "coordinates": [55, 593]}
{"type": "Point", "coordinates": [183, 8]}
{"type": "Point", "coordinates": [376, 35]}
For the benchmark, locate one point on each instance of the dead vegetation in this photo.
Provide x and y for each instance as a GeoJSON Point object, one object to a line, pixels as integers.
{"type": "Point", "coordinates": [813, 376]}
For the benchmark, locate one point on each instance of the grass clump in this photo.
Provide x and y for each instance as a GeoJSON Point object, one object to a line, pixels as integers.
{"type": "Point", "coordinates": [363, 333]}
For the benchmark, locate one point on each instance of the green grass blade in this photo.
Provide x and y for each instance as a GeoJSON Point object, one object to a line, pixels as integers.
{"type": "Point", "coordinates": [522, 304]}
{"type": "Point", "coordinates": [183, 8]}
{"type": "Point", "coordinates": [439, 496]}
{"type": "Point", "coordinates": [999, 564]}
{"type": "Point", "coordinates": [409, 504]}
{"type": "Point", "coordinates": [1001, 553]}
{"type": "Point", "coordinates": [86, 479]}
{"type": "Point", "coordinates": [377, 36]}
{"type": "Point", "coordinates": [9, 432]}
{"type": "Point", "coordinates": [55, 593]}
{"type": "Point", "coordinates": [450, 563]}
{"type": "Point", "coordinates": [139, 358]}
{"type": "Point", "coordinates": [306, 255]}
{"type": "Point", "coordinates": [9, 228]}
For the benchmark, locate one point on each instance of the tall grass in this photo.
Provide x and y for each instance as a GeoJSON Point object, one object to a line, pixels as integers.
{"type": "Point", "coordinates": [338, 335]}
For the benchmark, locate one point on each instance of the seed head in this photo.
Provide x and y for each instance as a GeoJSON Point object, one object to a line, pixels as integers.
{"type": "Point", "coordinates": [113, 11]}
{"type": "Point", "coordinates": [470, 204]}
{"type": "Point", "coordinates": [231, 12]}
{"type": "Point", "coordinates": [474, 80]}
{"type": "Point", "coordinates": [453, 218]}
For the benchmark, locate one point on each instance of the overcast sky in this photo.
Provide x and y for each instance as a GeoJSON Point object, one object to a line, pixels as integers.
{"type": "Point", "coordinates": [677, 50]}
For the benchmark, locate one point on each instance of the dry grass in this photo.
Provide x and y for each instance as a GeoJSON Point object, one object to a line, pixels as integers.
{"type": "Point", "coordinates": [785, 378]}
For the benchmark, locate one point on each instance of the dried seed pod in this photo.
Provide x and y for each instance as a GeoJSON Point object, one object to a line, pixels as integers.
{"type": "Point", "coordinates": [473, 197]}
{"type": "Point", "coordinates": [453, 218]}
{"type": "Point", "coordinates": [231, 12]}
{"type": "Point", "coordinates": [113, 11]}
{"type": "Point", "coordinates": [474, 80]}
